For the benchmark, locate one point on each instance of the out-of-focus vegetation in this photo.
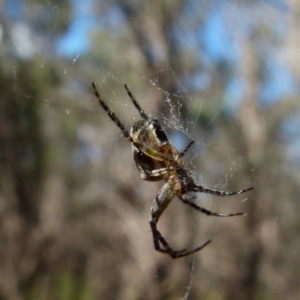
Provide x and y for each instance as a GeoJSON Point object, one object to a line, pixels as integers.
{"type": "Point", "coordinates": [73, 209]}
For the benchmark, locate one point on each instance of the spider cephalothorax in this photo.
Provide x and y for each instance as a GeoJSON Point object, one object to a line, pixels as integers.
{"type": "Point", "coordinates": [157, 159]}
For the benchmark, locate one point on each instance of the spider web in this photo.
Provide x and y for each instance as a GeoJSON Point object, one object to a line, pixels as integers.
{"type": "Point", "coordinates": [182, 128]}
{"type": "Point", "coordinates": [181, 111]}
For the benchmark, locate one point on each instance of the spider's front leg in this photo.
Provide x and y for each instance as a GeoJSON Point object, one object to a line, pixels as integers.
{"type": "Point", "coordinates": [162, 200]}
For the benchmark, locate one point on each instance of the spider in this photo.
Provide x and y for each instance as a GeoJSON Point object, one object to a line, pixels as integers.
{"type": "Point", "coordinates": [157, 159]}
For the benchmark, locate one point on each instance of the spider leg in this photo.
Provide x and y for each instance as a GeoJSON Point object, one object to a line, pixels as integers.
{"type": "Point", "coordinates": [158, 238]}
{"type": "Point", "coordinates": [116, 120]}
{"type": "Point", "coordinates": [162, 200]}
{"type": "Point", "coordinates": [111, 114]}
{"type": "Point", "coordinates": [157, 172]}
{"type": "Point", "coordinates": [201, 189]}
{"type": "Point", "coordinates": [206, 211]}
{"type": "Point", "coordinates": [182, 153]}
{"type": "Point", "coordinates": [136, 104]}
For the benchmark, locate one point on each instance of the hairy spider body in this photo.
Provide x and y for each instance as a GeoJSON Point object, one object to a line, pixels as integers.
{"type": "Point", "coordinates": [157, 159]}
{"type": "Point", "coordinates": [149, 132]}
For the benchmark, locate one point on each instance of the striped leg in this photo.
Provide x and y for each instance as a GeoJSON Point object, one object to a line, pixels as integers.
{"type": "Point", "coordinates": [201, 189]}
{"type": "Point", "coordinates": [162, 200]}
{"type": "Point", "coordinates": [206, 211]}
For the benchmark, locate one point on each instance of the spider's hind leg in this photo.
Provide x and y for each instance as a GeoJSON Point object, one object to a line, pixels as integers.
{"type": "Point", "coordinates": [201, 189]}
{"type": "Point", "coordinates": [187, 200]}
{"type": "Point", "coordinates": [160, 240]}
{"type": "Point", "coordinates": [162, 200]}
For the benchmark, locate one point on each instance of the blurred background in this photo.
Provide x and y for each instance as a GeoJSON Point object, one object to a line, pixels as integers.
{"type": "Point", "coordinates": [73, 210]}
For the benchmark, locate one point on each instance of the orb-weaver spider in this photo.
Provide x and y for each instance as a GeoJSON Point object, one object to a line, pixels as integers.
{"type": "Point", "coordinates": [157, 159]}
